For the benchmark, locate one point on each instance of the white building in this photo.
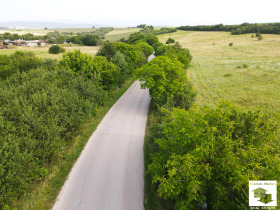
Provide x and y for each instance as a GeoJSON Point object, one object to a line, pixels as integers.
{"type": "Point", "coordinates": [35, 43]}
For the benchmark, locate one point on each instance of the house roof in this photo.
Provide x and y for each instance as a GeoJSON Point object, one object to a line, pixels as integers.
{"type": "Point", "coordinates": [259, 189]}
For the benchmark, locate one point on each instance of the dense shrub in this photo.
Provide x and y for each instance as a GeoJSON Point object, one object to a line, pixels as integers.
{"type": "Point", "coordinates": [90, 39]}
{"type": "Point", "coordinates": [40, 112]}
{"type": "Point", "coordinates": [259, 36]}
{"type": "Point", "coordinates": [108, 50]}
{"type": "Point", "coordinates": [80, 64]}
{"type": "Point", "coordinates": [97, 69]}
{"type": "Point", "coordinates": [208, 155]}
{"type": "Point", "coordinates": [18, 62]}
{"type": "Point", "coordinates": [124, 68]}
{"type": "Point", "coordinates": [109, 73]}
{"type": "Point", "coordinates": [56, 49]}
{"type": "Point", "coordinates": [170, 41]}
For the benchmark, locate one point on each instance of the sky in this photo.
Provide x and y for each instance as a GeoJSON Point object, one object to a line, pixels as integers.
{"type": "Point", "coordinates": [151, 12]}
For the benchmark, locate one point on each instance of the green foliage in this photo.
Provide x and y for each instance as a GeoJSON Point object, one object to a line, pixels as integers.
{"type": "Point", "coordinates": [266, 28]}
{"type": "Point", "coordinates": [152, 39]}
{"type": "Point", "coordinates": [40, 112]}
{"type": "Point", "coordinates": [175, 52]}
{"type": "Point", "coordinates": [56, 49]}
{"type": "Point", "coordinates": [157, 45]}
{"type": "Point", "coordinates": [259, 36]}
{"type": "Point", "coordinates": [120, 62]}
{"type": "Point", "coordinates": [90, 39]}
{"type": "Point", "coordinates": [160, 49]}
{"type": "Point", "coordinates": [164, 31]}
{"type": "Point", "coordinates": [208, 155]}
{"type": "Point", "coordinates": [97, 69]}
{"type": "Point", "coordinates": [60, 39]}
{"type": "Point", "coordinates": [107, 71]}
{"type": "Point", "coordinates": [145, 48]}
{"type": "Point", "coordinates": [230, 44]}
{"type": "Point", "coordinates": [84, 39]}
{"type": "Point", "coordinates": [170, 41]}
{"type": "Point", "coordinates": [108, 50]}
{"type": "Point", "coordinates": [49, 63]}
{"type": "Point", "coordinates": [80, 64]}
{"type": "Point", "coordinates": [141, 26]}
{"type": "Point", "coordinates": [136, 37]}
{"type": "Point", "coordinates": [131, 54]}
{"type": "Point", "coordinates": [15, 36]}
{"type": "Point", "coordinates": [19, 61]}
{"type": "Point", "coordinates": [165, 78]}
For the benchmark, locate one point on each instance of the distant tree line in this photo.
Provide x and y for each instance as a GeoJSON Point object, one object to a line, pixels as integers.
{"type": "Point", "coordinates": [91, 38]}
{"type": "Point", "coordinates": [265, 28]}
{"type": "Point", "coordinates": [13, 37]}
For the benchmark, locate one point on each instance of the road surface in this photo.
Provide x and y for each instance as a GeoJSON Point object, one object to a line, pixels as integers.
{"type": "Point", "coordinates": [109, 174]}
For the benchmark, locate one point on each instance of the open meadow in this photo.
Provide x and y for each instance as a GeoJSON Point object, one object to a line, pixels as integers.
{"type": "Point", "coordinates": [247, 74]}
{"type": "Point", "coordinates": [119, 33]}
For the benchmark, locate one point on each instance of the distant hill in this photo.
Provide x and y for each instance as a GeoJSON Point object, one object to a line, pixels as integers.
{"type": "Point", "coordinates": [40, 25]}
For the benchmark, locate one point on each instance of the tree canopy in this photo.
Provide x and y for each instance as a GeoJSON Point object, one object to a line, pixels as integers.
{"type": "Point", "coordinates": [208, 155]}
{"type": "Point", "coordinates": [165, 79]}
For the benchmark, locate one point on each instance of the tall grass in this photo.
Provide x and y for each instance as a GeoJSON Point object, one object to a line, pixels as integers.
{"type": "Point", "coordinates": [255, 85]}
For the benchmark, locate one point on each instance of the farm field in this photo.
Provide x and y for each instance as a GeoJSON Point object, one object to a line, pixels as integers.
{"type": "Point", "coordinates": [247, 74]}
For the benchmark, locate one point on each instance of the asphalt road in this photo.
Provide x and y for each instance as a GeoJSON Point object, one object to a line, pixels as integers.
{"type": "Point", "coordinates": [109, 174]}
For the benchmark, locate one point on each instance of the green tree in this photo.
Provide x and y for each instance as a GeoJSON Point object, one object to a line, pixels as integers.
{"type": "Point", "coordinates": [108, 50]}
{"type": "Point", "coordinates": [152, 39]}
{"type": "Point", "coordinates": [145, 48]}
{"type": "Point", "coordinates": [107, 71]}
{"type": "Point", "coordinates": [208, 155]}
{"type": "Point", "coordinates": [90, 39]}
{"type": "Point", "coordinates": [131, 54]}
{"type": "Point", "coordinates": [176, 52]}
{"type": "Point", "coordinates": [80, 64]}
{"type": "Point", "coordinates": [170, 41]}
{"type": "Point", "coordinates": [259, 36]}
{"type": "Point", "coordinates": [136, 37]}
{"type": "Point", "coordinates": [165, 79]}
{"type": "Point", "coordinates": [60, 39]}
{"type": "Point", "coordinates": [120, 62]}
{"type": "Point", "coordinates": [55, 49]}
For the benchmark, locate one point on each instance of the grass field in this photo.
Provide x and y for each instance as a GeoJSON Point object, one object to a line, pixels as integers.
{"type": "Point", "coordinates": [247, 74]}
{"type": "Point", "coordinates": [42, 52]}
{"type": "Point", "coordinates": [119, 33]}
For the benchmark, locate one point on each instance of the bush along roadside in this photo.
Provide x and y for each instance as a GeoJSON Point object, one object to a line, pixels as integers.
{"type": "Point", "coordinates": [43, 107]}
{"type": "Point", "coordinates": [204, 157]}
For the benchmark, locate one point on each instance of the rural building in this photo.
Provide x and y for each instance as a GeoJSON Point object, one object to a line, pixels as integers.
{"type": "Point", "coordinates": [260, 192]}
{"type": "Point", "coordinates": [35, 43]}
